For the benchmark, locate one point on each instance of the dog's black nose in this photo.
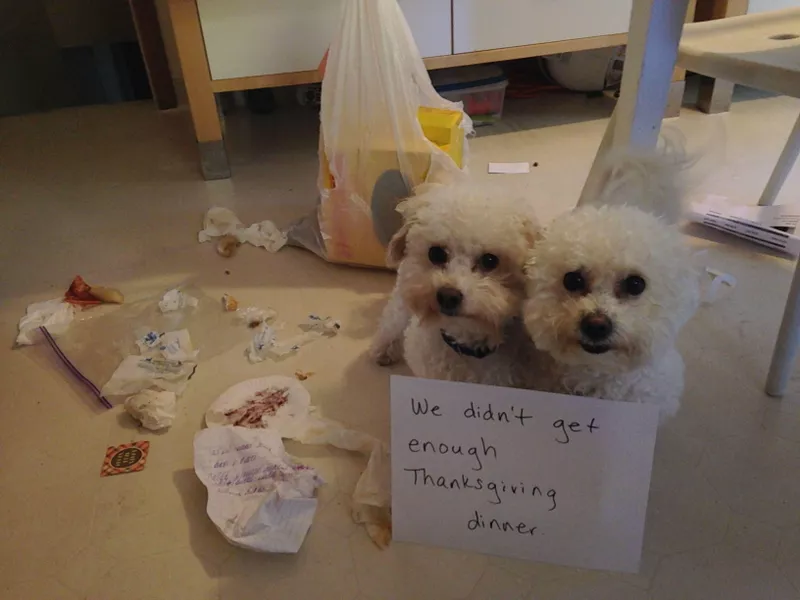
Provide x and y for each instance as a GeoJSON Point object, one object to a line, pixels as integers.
{"type": "Point", "coordinates": [449, 300]}
{"type": "Point", "coordinates": [597, 327]}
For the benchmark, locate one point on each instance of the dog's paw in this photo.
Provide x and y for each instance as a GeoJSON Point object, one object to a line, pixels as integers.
{"type": "Point", "coordinates": [387, 355]}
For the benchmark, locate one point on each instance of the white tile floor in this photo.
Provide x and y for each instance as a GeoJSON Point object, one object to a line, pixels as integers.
{"type": "Point", "coordinates": [113, 193]}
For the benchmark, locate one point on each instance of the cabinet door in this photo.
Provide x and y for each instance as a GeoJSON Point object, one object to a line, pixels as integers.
{"type": "Point", "coordinates": [489, 24]}
{"type": "Point", "coordinates": [267, 37]}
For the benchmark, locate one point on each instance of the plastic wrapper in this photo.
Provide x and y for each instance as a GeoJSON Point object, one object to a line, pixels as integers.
{"type": "Point", "coordinates": [57, 315]}
{"type": "Point", "coordinates": [102, 337]}
{"type": "Point", "coordinates": [373, 151]}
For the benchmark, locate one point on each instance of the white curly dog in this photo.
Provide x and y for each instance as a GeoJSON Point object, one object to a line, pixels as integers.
{"type": "Point", "coordinates": [609, 287]}
{"type": "Point", "coordinates": [455, 311]}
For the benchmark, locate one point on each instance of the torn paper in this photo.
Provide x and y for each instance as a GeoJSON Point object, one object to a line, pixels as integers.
{"type": "Point", "coordinates": [174, 300]}
{"type": "Point", "coordinates": [265, 343]}
{"type": "Point", "coordinates": [154, 409]}
{"type": "Point", "coordinates": [223, 221]}
{"type": "Point", "coordinates": [296, 419]}
{"type": "Point", "coordinates": [170, 345]}
{"type": "Point", "coordinates": [754, 223]}
{"type": "Point", "coordinates": [258, 496]}
{"type": "Point", "coordinates": [56, 315]}
{"type": "Point", "coordinates": [262, 343]}
{"type": "Point", "coordinates": [721, 285]}
{"type": "Point", "coordinates": [137, 373]}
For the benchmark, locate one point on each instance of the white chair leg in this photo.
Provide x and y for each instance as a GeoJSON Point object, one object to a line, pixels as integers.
{"type": "Point", "coordinates": [785, 353]}
{"type": "Point", "coordinates": [783, 168]}
{"type": "Point", "coordinates": [654, 34]}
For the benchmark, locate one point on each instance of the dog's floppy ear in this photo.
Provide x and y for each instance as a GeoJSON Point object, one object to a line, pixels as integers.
{"type": "Point", "coordinates": [531, 228]}
{"type": "Point", "coordinates": [410, 209]}
{"type": "Point", "coordinates": [396, 249]}
{"type": "Point", "coordinates": [532, 231]}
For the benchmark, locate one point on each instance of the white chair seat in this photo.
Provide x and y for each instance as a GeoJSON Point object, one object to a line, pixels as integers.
{"type": "Point", "coordinates": [760, 50]}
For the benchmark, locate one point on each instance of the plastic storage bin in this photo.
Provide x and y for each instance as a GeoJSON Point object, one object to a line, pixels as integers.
{"type": "Point", "coordinates": [481, 88]}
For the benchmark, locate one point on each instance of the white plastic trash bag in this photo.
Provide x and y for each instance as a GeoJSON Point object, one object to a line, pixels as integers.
{"type": "Point", "coordinates": [384, 131]}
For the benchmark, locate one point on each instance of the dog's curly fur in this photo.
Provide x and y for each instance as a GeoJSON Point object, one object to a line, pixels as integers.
{"type": "Point", "coordinates": [467, 223]}
{"type": "Point", "coordinates": [607, 243]}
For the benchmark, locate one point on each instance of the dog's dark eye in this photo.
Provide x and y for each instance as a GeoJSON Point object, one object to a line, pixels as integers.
{"type": "Point", "coordinates": [437, 255]}
{"type": "Point", "coordinates": [488, 262]}
{"type": "Point", "coordinates": [574, 281]}
{"type": "Point", "coordinates": [633, 285]}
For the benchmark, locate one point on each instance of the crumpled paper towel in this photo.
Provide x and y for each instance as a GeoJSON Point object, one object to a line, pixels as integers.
{"type": "Point", "coordinates": [175, 299]}
{"type": "Point", "coordinates": [154, 409]}
{"type": "Point", "coordinates": [56, 315]}
{"type": "Point", "coordinates": [258, 496]}
{"type": "Point", "coordinates": [223, 221]}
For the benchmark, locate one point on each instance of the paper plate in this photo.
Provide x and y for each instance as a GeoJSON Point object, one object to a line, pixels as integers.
{"type": "Point", "coordinates": [292, 412]}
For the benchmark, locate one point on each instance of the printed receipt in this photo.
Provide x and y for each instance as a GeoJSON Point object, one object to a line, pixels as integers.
{"type": "Point", "coordinates": [258, 496]}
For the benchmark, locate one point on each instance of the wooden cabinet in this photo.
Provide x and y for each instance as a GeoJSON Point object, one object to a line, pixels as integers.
{"type": "Point", "coordinates": [756, 6]}
{"type": "Point", "coordinates": [488, 24]}
{"type": "Point", "coordinates": [245, 38]}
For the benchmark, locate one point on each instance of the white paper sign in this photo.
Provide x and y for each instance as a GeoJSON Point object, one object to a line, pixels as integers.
{"type": "Point", "coordinates": [530, 475]}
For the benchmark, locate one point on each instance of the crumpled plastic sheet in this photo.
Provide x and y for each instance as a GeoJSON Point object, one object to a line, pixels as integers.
{"type": "Point", "coordinates": [221, 221]}
{"type": "Point", "coordinates": [56, 315]}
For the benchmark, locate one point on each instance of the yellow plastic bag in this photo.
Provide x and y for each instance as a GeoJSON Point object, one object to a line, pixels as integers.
{"type": "Point", "coordinates": [376, 97]}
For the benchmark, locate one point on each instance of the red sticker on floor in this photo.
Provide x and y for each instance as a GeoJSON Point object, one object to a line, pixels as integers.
{"type": "Point", "coordinates": [126, 458]}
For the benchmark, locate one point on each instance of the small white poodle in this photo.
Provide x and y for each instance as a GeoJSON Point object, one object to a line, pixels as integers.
{"type": "Point", "coordinates": [455, 311]}
{"type": "Point", "coordinates": [609, 287]}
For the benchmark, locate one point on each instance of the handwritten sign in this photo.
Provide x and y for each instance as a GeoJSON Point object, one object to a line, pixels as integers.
{"type": "Point", "coordinates": [530, 475]}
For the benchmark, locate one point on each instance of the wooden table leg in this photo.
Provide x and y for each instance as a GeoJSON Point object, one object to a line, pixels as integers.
{"type": "Point", "coordinates": [653, 37]}
{"type": "Point", "coordinates": [714, 95]}
{"type": "Point", "coordinates": [151, 44]}
{"type": "Point", "coordinates": [197, 78]}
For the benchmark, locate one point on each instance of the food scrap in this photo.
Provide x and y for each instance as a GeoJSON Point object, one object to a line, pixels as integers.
{"type": "Point", "coordinates": [227, 245]}
{"type": "Point", "coordinates": [81, 293]}
{"type": "Point", "coordinates": [253, 317]}
{"type": "Point", "coordinates": [229, 303]}
{"type": "Point", "coordinates": [264, 402]}
{"type": "Point", "coordinates": [303, 375]}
